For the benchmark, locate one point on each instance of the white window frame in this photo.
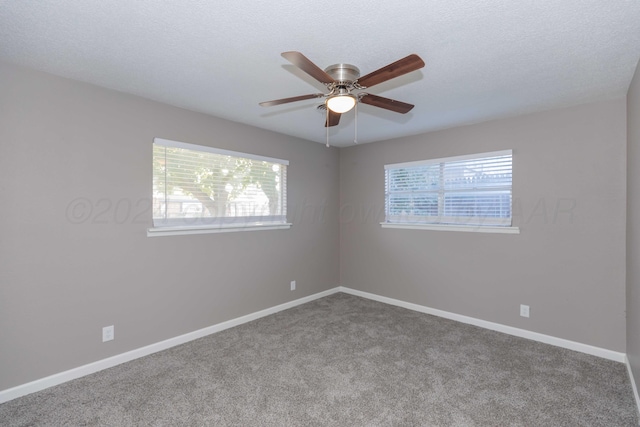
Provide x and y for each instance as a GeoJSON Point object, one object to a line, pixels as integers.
{"type": "Point", "coordinates": [166, 227]}
{"type": "Point", "coordinates": [440, 222]}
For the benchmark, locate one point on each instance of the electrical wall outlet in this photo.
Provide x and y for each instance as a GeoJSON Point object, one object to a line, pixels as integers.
{"type": "Point", "coordinates": [293, 285]}
{"type": "Point", "coordinates": [524, 310]}
{"type": "Point", "coordinates": [107, 333]}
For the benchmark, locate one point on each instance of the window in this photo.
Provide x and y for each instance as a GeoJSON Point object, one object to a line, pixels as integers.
{"type": "Point", "coordinates": [466, 191]}
{"type": "Point", "coordinates": [204, 189]}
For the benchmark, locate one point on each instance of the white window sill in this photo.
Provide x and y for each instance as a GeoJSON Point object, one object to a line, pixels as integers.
{"type": "Point", "coordinates": [179, 231]}
{"type": "Point", "coordinates": [453, 227]}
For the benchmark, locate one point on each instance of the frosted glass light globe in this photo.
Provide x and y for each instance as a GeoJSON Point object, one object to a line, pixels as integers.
{"type": "Point", "coordinates": [341, 103]}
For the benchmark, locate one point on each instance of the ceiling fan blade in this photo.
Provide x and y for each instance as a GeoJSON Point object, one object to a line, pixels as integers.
{"type": "Point", "coordinates": [386, 103]}
{"type": "Point", "coordinates": [305, 64]}
{"type": "Point", "coordinates": [292, 99]}
{"type": "Point", "coordinates": [403, 66]}
{"type": "Point", "coordinates": [333, 119]}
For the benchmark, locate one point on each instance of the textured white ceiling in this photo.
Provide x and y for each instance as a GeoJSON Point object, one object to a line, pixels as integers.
{"type": "Point", "coordinates": [484, 59]}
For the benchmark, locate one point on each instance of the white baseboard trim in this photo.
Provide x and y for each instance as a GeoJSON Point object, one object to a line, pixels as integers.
{"type": "Point", "coordinates": [523, 333]}
{"type": "Point", "coordinates": [81, 371]}
{"type": "Point", "coordinates": [59, 378]}
{"type": "Point", "coordinates": [633, 385]}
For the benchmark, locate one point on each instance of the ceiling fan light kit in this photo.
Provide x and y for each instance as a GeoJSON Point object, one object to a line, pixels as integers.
{"type": "Point", "coordinates": [343, 80]}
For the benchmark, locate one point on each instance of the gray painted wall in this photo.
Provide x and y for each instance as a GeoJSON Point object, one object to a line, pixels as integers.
{"type": "Point", "coordinates": [568, 263]}
{"type": "Point", "coordinates": [61, 282]}
{"type": "Point", "coordinates": [633, 226]}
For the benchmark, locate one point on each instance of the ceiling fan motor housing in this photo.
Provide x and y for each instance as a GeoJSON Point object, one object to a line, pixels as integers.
{"type": "Point", "coordinates": [344, 74]}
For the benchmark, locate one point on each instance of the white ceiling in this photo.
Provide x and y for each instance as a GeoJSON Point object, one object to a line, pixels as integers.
{"type": "Point", "coordinates": [484, 59]}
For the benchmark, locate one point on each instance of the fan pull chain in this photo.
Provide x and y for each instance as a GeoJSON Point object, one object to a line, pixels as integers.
{"type": "Point", "coordinates": [326, 125]}
{"type": "Point", "coordinates": [355, 138]}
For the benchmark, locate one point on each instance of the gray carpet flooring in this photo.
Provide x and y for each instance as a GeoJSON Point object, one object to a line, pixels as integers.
{"type": "Point", "coordinates": [344, 361]}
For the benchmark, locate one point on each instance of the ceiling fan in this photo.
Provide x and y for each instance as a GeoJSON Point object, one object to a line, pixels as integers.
{"type": "Point", "coordinates": [345, 85]}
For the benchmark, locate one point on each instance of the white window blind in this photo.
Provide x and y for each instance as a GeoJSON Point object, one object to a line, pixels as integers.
{"type": "Point", "coordinates": [466, 190]}
{"type": "Point", "coordinates": [198, 186]}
